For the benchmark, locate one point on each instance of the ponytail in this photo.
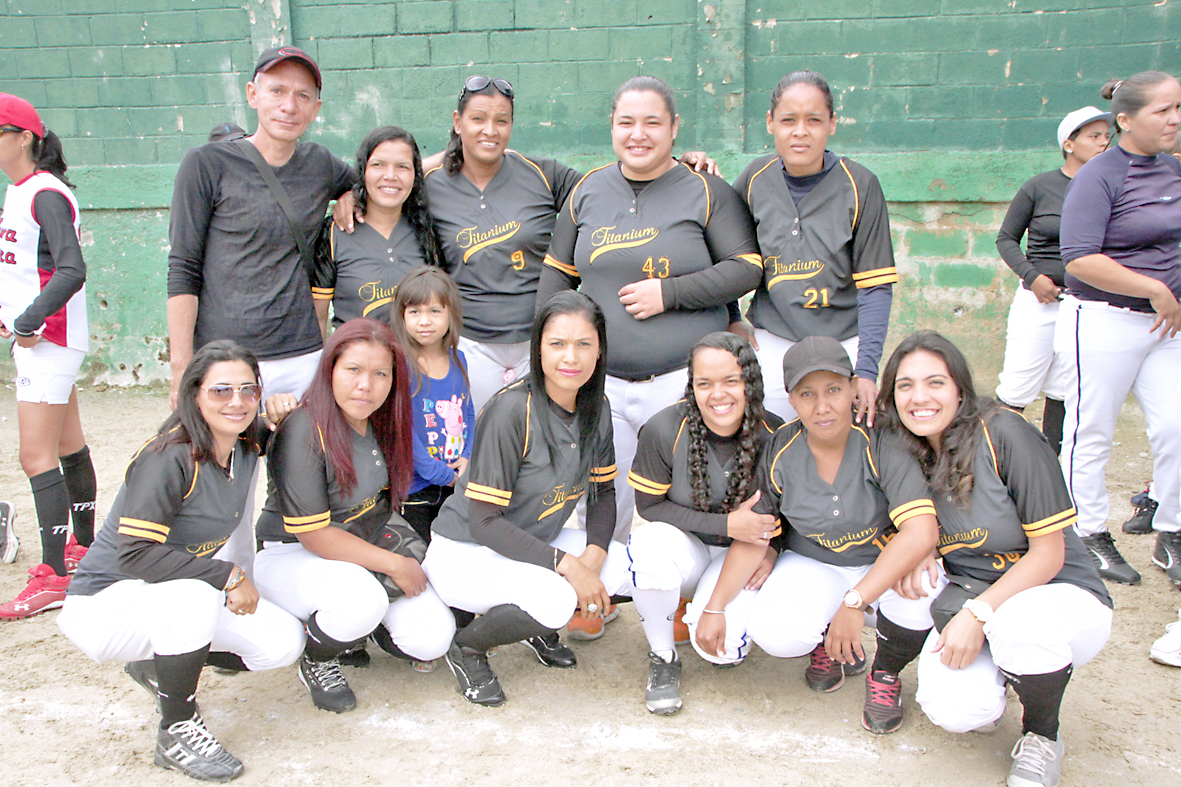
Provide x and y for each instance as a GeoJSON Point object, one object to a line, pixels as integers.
{"type": "Point", "coordinates": [48, 155]}
{"type": "Point", "coordinates": [453, 155]}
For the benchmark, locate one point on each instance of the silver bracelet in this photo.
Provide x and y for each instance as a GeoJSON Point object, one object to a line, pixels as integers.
{"type": "Point", "coordinates": [714, 611]}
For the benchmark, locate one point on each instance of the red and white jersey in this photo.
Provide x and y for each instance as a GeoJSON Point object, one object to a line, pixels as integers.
{"type": "Point", "coordinates": [27, 263]}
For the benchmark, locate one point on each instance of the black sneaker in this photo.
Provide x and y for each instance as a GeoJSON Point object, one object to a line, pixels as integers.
{"type": "Point", "coordinates": [822, 673]}
{"type": "Point", "coordinates": [1167, 555]}
{"type": "Point", "coordinates": [882, 713]}
{"type": "Point", "coordinates": [477, 681]}
{"type": "Point", "coordinates": [1109, 561]}
{"type": "Point", "coordinates": [356, 656]}
{"type": "Point", "coordinates": [9, 543]}
{"type": "Point", "coordinates": [551, 651]}
{"type": "Point", "coordinates": [188, 747]}
{"type": "Point", "coordinates": [1140, 523]}
{"type": "Point", "coordinates": [857, 667]}
{"type": "Point", "coordinates": [144, 673]}
{"type": "Point", "coordinates": [325, 681]}
{"type": "Point", "coordinates": [663, 693]}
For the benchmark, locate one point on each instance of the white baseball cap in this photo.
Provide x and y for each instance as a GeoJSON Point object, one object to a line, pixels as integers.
{"type": "Point", "coordinates": [1077, 119]}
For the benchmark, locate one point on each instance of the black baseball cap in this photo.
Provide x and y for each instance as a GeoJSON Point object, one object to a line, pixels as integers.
{"type": "Point", "coordinates": [814, 354]}
{"type": "Point", "coordinates": [268, 59]}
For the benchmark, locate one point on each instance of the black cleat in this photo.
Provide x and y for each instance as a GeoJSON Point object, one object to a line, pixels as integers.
{"type": "Point", "coordinates": [1108, 560]}
{"type": "Point", "coordinates": [1167, 555]}
{"type": "Point", "coordinates": [477, 682]}
{"type": "Point", "coordinates": [551, 651]}
{"type": "Point", "coordinates": [188, 747]}
{"type": "Point", "coordinates": [1140, 523]}
{"type": "Point", "coordinates": [325, 681]}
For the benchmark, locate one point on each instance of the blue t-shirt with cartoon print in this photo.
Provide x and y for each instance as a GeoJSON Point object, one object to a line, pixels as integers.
{"type": "Point", "coordinates": [443, 417]}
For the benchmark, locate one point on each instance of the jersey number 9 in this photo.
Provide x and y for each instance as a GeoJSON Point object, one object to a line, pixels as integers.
{"type": "Point", "coordinates": [518, 259]}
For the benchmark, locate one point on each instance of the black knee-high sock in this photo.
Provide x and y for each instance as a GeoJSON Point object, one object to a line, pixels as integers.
{"type": "Point", "coordinates": [52, 501]}
{"type": "Point", "coordinates": [79, 474]}
{"type": "Point", "coordinates": [322, 647]}
{"type": "Point", "coordinates": [897, 646]}
{"type": "Point", "coordinates": [1052, 418]}
{"type": "Point", "coordinates": [225, 660]}
{"type": "Point", "coordinates": [1041, 697]}
{"type": "Point", "coordinates": [177, 678]}
{"type": "Point", "coordinates": [500, 626]}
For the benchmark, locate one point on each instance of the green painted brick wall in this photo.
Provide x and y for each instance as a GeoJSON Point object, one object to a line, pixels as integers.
{"type": "Point", "coordinates": [953, 103]}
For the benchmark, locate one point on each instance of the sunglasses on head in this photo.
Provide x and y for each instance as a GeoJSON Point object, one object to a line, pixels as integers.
{"type": "Point", "coordinates": [477, 83]}
{"type": "Point", "coordinates": [250, 393]}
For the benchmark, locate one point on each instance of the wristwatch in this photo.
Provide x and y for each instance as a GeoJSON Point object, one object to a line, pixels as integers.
{"type": "Point", "coordinates": [853, 600]}
{"type": "Point", "coordinates": [979, 609]}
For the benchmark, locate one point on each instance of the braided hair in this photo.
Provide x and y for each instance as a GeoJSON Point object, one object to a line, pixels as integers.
{"type": "Point", "coordinates": [743, 480]}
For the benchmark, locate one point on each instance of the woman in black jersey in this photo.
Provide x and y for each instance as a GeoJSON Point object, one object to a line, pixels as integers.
{"type": "Point", "coordinates": [1006, 527]}
{"type": "Point", "coordinates": [662, 249]}
{"type": "Point", "coordinates": [338, 468]}
{"type": "Point", "coordinates": [824, 232]}
{"type": "Point", "coordinates": [358, 272]}
{"type": "Point", "coordinates": [498, 546]}
{"type": "Point", "coordinates": [694, 476]}
{"type": "Point", "coordinates": [152, 590]}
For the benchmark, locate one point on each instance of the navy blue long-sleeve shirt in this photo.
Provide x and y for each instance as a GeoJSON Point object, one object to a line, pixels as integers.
{"type": "Point", "coordinates": [1127, 207]}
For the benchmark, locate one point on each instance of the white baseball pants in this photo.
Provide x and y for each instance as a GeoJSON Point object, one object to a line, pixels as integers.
{"type": "Point", "coordinates": [1031, 365]}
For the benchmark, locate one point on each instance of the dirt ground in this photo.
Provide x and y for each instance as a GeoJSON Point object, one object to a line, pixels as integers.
{"type": "Point", "coordinates": [65, 720]}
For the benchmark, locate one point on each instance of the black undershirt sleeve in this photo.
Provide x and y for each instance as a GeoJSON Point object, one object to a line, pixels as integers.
{"type": "Point", "coordinates": [552, 282]}
{"type": "Point", "coordinates": [489, 528]}
{"type": "Point", "coordinates": [1008, 238]}
{"type": "Point", "coordinates": [660, 509]}
{"type": "Point", "coordinates": [56, 217]}
{"type": "Point", "coordinates": [729, 232]}
{"type": "Point", "coordinates": [600, 516]}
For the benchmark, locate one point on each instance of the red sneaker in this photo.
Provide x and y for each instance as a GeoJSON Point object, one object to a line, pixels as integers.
{"type": "Point", "coordinates": [588, 629]}
{"type": "Point", "coordinates": [46, 590]}
{"type": "Point", "coordinates": [680, 629]}
{"type": "Point", "coordinates": [74, 554]}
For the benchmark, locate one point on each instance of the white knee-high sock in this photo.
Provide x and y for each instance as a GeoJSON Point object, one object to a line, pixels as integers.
{"type": "Point", "coordinates": [656, 609]}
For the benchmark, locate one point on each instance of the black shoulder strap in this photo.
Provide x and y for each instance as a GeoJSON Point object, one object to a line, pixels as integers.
{"type": "Point", "coordinates": [268, 176]}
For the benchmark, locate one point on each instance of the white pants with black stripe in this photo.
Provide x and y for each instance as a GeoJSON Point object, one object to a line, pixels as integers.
{"type": "Point", "coordinates": [131, 620]}
{"type": "Point", "coordinates": [771, 350]}
{"type": "Point", "coordinates": [1111, 352]}
{"type": "Point", "coordinates": [790, 613]}
{"type": "Point", "coordinates": [349, 602]}
{"type": "Point", "coordinates": [1038, 631]}
{"type": "Point", "coordinates": [473, 577]}
{"type": "Point", "coordinates": [1031, 365]}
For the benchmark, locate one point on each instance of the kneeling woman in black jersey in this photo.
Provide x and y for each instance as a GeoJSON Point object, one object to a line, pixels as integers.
{"type": "Point", "coordinates": [498, 547]}
{"type": "Point", "coordinates": [151, 591]}
{"type": "Point", "coordinates": [694, 475]}
{"type": "Point", "coordinates": [1005, 518]}
{"type": "Point", "coordinates": [857, 517]}
{"type": "Point", "coordinates": [338, 468]}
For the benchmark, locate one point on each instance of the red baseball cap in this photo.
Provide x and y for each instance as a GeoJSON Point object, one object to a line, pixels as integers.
{"type": "Point", "coordinates": [15, 111]}
{"type": "Point", "coordinates": [268, 59]}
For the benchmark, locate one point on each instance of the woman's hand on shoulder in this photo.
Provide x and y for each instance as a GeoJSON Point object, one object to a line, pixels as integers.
{"type": "Point", "coordinates": [701, 162]}
{"type": "Point", "coordinates": [279, 407]}
{"type": "Point", "coordinates": [744, 524]}
{"type": "Point", "coordinates": [243, 600]}
{"type": "Point", "coordinates": [407, 574]}
{"type": "Point", "coordinates": [865, 397]}
{"type": "Point", "coordinates": [960, 641]}
{"type": "Point", "coordinates": [344, 212]}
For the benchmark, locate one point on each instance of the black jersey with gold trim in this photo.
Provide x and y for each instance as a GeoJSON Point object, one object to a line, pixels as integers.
{"type": "Point", "coordinates": [878, 487]}
{"type": "Point", "coordinates": [818, 254]}
{"type": "Point", "coordinates": [359, 272]}
{"type": "Point", "coordinates": [1018, 493]}
{"type": "Point", "coordinates": [303, 493]}
{"type": "Point", "coordinates": [511, 467]}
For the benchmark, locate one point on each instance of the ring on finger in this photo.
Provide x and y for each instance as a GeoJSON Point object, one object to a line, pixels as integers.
{"type": "Point", "coordinates": [592, 608]}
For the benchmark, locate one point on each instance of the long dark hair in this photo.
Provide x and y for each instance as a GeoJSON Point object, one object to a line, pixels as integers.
{"type": "Point", "coordinates": [803, 77]}
{"type": "Point", "coordinates": [453, 154]}
{"type": "Point", "coordinates": [949, 470]}
{"type": "Point", "coordinates": [48, 155]}
{"type": "Point", "coordinates": [417, 288]}
{"type": "Point", "coordinates": [186, 424]}
{"type": "Point", "coordinates": [1129, 96]}
{"type": "Point", "coordinates": [391, 422]}
{"type": "Point", "coordinates": [415, 208]}
{"type": "Point", "coordinates": [588, 403]}
{"type": "Point", "coordinates": [743, 479]}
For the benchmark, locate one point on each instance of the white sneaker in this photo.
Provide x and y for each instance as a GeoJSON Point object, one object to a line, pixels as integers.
{"type": "Point", "coordinates": [1167, 649]}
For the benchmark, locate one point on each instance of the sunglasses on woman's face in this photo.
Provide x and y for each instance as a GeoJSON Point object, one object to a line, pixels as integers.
{"type": "Point", "coordinates": [477, 83]}
{"type": "Point", "coordinates": [6, 129]}
{"type": "Point", "coordinates": [250, 393]}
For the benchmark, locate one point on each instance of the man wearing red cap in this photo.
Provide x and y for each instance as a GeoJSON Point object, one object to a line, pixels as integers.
{"type": "Point", "coordinates": [235, 269]}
